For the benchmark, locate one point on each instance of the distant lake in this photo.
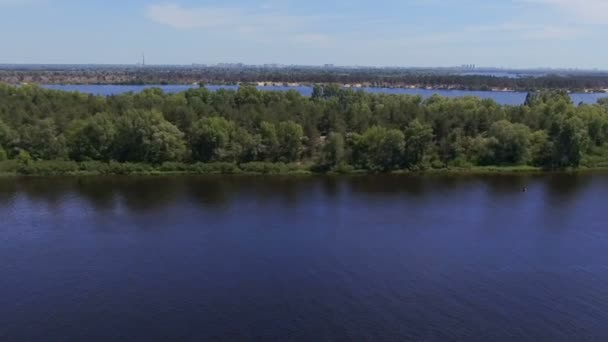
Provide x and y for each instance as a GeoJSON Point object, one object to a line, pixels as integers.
{"type": "Point", "coordinates": [495, 74]}
{"type": "Point", "coordinates": [362, 258]}
{"type": "Point", "coordinates": [505, 98]}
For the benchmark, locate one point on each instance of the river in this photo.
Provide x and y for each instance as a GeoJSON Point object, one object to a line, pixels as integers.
{"type": "Point", "coordinates": [382, 258]}
{"type": "Point", "coordinates": [505, 98]}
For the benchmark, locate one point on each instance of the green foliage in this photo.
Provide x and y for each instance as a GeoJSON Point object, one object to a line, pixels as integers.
{"type": "Point", "coordinates": [418, 140]}
{"type": "Point", "coordinates": [213, 140]}
{"type": "Point", "coordinates": [541, 149]}
{"type": "Point", "coordinates": [43, 140]}
{"type": "Point", "coordinates": [334, 151]}
{"type": "Point", "coordinates": [93, 139]}
{"type": "Point", "coordinates": [145, 136]}
{"type": "Point", "coordinates": [570, 141]}
{"type": "Point", "coordinates": [48, 168]}
{"type": "Point", "coordinates": [380, 149]}
{"type": "Point", "coordinates": [200, 131]}
{"type": "Point", "coordinates": [289, 136]}
{"type": "Point", "coordinates": [8, 137]}
{"type": "Point", "coordinates": [510, 142]}
{"type": "Point", "coordinates": [3, 155]}
{"type": "Point", "coordinates": [269, 149]}
{"type": "Point", "coordinates": [219, 168]}
{"type": "Point", "coordinates": [23, 157]}
{"type": "Point", "coordinates": [264, 168]}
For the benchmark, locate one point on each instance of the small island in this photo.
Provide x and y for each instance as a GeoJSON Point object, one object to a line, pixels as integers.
{"type": "Point", "coordinates": [336, 130]}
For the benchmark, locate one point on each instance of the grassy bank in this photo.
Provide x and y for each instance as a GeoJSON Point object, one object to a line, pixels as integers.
{"type": "Point", "coordinates": [67, 168]}
{"type": "Point", "coordinates": [13, 168]}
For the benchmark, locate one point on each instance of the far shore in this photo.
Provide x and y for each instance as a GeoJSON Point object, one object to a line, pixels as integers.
{"type": "Point", "coordinates": [354, 86]}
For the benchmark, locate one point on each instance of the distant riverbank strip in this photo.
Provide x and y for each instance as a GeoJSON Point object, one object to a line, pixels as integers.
{"type": "Point", "coordinates": [294, 76]}
{"type": "Point", "coordinates": [298, 86]}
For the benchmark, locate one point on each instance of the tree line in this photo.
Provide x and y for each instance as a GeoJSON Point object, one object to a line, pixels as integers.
{"type": "Point", "coordinates": [335, 129]}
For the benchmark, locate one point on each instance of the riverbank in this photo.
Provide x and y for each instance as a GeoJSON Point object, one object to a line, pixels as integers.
{"type": "Point", "coordinates": [299, 85]}
{"type": "Point", "coordinates": [358, 77]}
{"type": "Point", "coordinates": [12, 168]}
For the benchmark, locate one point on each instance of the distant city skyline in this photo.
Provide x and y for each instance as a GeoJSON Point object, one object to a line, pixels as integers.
{"type": "Point", "coordinates": [520, 34]}
{"type": "Point", "coordinates": [463, 67]}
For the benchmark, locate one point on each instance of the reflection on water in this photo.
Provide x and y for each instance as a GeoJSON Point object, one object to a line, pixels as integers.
{"type": "Point", "coordinates": [396, 257]}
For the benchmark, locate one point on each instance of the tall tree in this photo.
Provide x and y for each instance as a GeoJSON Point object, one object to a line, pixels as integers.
{"type": "Point", "coordinates": [145, 136]}
{"type": "Point", "coordinates": [289, 135]}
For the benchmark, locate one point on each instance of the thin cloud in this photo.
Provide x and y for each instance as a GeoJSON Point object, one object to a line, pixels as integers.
{"type": "Point", "coordinates": [531, 31]}
{"type": "Point", "coordinates": [589, 11]}
{"type": "Point", "coordinates": [20, 2]}
{"type": "Point", "coordinates": [184, 18]}
{"type": "Point", "coordinates": [276, 27]}
{"type": "Point", "coordinates": [258, 24]}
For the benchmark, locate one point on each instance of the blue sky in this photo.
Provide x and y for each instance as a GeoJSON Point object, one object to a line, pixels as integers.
{"type": "Point", "coordinates": [508, 33]}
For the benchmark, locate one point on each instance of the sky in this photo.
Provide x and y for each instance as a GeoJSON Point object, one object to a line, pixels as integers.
{"type": "Point", "coordinates": [501, 33]}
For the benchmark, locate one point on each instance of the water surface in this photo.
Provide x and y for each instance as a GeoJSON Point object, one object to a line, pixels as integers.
{"type": "Point", "coordinates": [382, 258]}
{"type": "Point", "coordinates": [505, 98]}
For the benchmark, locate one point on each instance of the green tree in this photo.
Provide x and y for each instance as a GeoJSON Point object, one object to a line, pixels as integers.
{"type": "Point", "coordinates": [145, 136]}
{"type": "Point", "coordinates": [541, 149]}
{"type": "Point", "coordinates": [334, 151]}
{"type": "Point", "coordinates": [43, 140]}
{"type": "Point", "coordinates": [511, 142]}
{"type": "Point", "coordinates": [245, 147]}
{"type": "Point", "coordinates": [596, 120]}
{"type": "Point", "coordinates": [380, 149]}
{"type": "Point", "coordinates": [24, 158]}
{"type": "Point", "coordinates": [603, 103]}
{"type": "Point", "coordinates": [289, 135]}
{"type": "Point", "coordinates": [211, 138]}
{"type": "Point", "coordinates": [570, 140]}
{"type": "Point", "coordinates": [93, 139]}
{"type": "Point", "coordinates": [482, 150]}
{"type": "Point", "coordinates": [269, 142]}
{"type": "Point", "coordinates": [418, 140]}
{"type": "Point", "coordinates": [8, 137]}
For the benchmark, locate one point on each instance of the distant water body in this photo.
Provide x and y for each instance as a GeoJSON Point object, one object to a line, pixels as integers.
{"type": "Point", "coordinates": [505, 98]}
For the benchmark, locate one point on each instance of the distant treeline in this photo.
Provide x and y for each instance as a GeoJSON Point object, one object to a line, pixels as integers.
{"type": "Point", "coordinates": [368, 77]}
{"type": "Point", "coordinates": [335, 129]}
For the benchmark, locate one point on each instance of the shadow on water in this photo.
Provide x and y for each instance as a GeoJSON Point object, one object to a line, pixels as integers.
{"type": "Point", "coordinates": [102, 193]}
{"type": "Point", "coordinates": [50, 191]}
{"type": "Point", "coordinates": [141, 194]}
{"type": "Point", "coordinates": [149, 193]}
{"type": "Point", "coordinates": [413, 185]}
{"type": "Point", "coordinates": [8, 190]}
{"type": "Point", "coordinates": [562, 188]}
{"type": "Point", "coordinates": [423, 185]}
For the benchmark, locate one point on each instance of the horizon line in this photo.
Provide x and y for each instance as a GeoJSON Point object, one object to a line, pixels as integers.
{"type": "Point", "coordinates": [328, 65]}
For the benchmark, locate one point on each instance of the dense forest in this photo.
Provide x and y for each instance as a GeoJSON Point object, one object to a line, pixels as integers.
{"type": "Point", "coordinates": [374, 77]}
{"type": "Point", "coordinates": [334, 130]}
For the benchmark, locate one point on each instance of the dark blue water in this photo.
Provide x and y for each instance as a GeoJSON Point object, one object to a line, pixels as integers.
{"type": "Point", "coordinates": [505, 98]}
{"type": "Point", "coordinates": [384, 258]}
